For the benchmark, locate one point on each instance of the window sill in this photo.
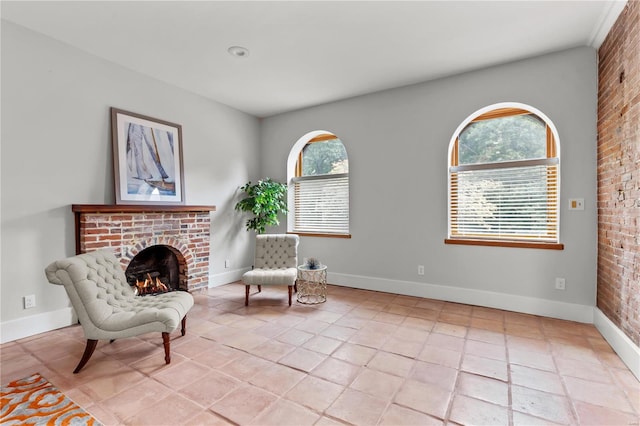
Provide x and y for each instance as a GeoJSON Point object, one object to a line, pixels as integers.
{"type": "Point", "coordinates": [310, 234]}
{"type": "Point", "coordinates": [513, 244]}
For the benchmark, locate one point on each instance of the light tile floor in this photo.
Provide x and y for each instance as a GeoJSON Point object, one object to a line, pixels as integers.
{"type": "Point", "coordinates": [363, 357]}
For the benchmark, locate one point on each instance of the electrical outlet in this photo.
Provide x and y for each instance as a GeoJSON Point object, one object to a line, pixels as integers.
{"type": "Point", "coordinates": [30, 301]}
{"type": "Point", "coordinates": [420, 269]}
{"type": "Point", "coordinates": [560, 284]}
{"type": "Point", "coordinates": [227, 263]}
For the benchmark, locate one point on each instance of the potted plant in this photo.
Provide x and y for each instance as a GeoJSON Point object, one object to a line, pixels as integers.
{"type": "Point", "coordinates": [266, 200]}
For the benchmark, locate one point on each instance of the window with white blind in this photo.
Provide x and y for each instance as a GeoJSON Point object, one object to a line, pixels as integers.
{"type": "Point", "coordinates": [504, 172]}
{"type": "Point", "coordinates": [320, 189]}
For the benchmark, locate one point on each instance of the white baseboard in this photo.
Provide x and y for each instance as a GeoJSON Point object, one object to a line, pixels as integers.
{"type": "Point", "coordinates": [36, 324]}
{"type": "Point", "coordinates": [216, 280]}
{"type": "Point", "coordinates": [509, 302]}
{"type": "Point", "coordinates": [628, 351]}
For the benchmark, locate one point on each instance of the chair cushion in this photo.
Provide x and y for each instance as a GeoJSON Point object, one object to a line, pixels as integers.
{"type": "Point", "coordinates": [167, 309]}
{"type": "Point", "coordinates": [280, 276]}
{"type": "Point", "coordinates": [275, 251]}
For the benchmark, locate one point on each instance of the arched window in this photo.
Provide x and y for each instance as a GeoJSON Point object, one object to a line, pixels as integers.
{"type": "Point", "coordinates": [318, 175]}
{"type": "Point", "coordinates": [504, 172]}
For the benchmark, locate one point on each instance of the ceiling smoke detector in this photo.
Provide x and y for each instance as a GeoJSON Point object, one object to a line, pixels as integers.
{"type": "Point", "coordinates": [239, 51]}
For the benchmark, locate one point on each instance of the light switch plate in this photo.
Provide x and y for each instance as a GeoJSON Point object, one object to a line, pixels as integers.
{"type": "Point", "coordinates": [576, 203]}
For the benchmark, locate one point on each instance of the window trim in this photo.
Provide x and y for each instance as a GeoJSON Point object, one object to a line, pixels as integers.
{"type": "Point", "coordinates": [294, 172]}
{"type": "Point", "coordinates": [319, 234]}
{"type": "Point", "coordinates": [505, 243]}
{"type": "Point", "coordinates": [320, 138]}
{"type": "Point", "coordinates": [499, 110]}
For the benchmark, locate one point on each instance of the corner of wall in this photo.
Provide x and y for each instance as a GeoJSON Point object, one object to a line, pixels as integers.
{"type": "Point", "coordinates": [223, 278]}
{"type": "Point", "coordinates": [628, 352]}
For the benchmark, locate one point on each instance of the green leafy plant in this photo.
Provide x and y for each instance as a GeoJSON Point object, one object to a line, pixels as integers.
{"type": "Point", "coordinates": [266, 200]}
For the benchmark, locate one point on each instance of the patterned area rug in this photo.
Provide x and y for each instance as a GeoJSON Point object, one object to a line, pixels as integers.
{"type": "Point", "coordinates": [35, 401]}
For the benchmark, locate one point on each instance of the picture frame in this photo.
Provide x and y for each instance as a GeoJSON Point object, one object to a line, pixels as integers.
{"type": "Point", "coordinates": [147, 159]}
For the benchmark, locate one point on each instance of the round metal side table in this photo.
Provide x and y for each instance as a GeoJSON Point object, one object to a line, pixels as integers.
{"type": "Point", "coordinates": [312, 285]}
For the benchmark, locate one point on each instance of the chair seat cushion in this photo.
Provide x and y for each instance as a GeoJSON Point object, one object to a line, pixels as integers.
{"type": "Point", "coordinates": [167, 308]}
{"type": "Point", "coordinates": [280, 276]}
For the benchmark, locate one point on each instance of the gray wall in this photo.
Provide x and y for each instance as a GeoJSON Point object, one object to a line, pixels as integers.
{"type": "Point", "coordinates": [56, 151]}
{"type": "Point", "coordinates": [397, 142]}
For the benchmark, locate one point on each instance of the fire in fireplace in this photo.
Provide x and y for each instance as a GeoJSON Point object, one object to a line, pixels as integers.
{"type": "Point", "coordinates": [150, 285]}
{"type": "Point", "coordinates": [155, 269]}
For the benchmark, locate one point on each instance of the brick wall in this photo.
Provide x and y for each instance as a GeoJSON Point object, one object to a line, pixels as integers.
{"type": "Point", "coordinates": [127, 234]}
{"type": "Point", "coordinates": [619, 173]}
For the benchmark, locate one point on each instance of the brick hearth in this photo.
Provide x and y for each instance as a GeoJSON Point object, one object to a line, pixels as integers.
{"type": "Point", "coordinates": [129, 229]}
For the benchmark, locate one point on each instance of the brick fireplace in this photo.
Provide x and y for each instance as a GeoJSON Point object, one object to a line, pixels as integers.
{"type": "Point", "coordinates": [130, 229]}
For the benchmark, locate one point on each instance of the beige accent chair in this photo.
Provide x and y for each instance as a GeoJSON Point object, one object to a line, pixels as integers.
{"type": "Point", "coordinates": [107, 306]}
{"type": "Point", "coordinates": [276, 263]}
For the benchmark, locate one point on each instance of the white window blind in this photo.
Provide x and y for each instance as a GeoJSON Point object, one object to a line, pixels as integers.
{"type": "Point", "coordinates": [510, 200]}
{"type": "Point", "coordinates": [322, 203]}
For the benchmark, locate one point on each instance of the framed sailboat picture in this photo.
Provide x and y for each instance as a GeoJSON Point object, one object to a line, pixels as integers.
{"type": "Point", "coordinates": [147, 159]}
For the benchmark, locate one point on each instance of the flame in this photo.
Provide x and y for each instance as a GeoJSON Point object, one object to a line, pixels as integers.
{"type": "Point", "coordinates": [149, 285]}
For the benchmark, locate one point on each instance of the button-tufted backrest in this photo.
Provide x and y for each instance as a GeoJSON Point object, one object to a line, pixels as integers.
{"type": "Point", "coordinates": [95, 283]}
{"type": "Point", "coordinates": [274, 251]}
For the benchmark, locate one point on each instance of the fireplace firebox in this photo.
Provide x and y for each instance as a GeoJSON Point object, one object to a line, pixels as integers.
{"type": "Point", "coordinates": [157, 269]}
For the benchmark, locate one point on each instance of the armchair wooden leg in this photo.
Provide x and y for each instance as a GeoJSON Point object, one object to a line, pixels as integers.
{"type": "Point", "coordinates": [246, 295]}
{"type": "Point", "coordinates": [295, 286]}
{"type": "Point", "coordinates": [88, 351]}
{"type": "Point", "coordinates": [290, 288]}
{"type": "Point", "coordinates": [167, 348]}
{"type": "Point", "coordinates": [184, 326]}
{"type": "Point", "coordinates": [259, 288]}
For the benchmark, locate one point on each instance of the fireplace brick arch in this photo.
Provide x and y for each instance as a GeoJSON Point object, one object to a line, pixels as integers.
{"type": "Point", "coordinates": [130, 252]}
{"type": "Point", "coordinates": [178, 247]}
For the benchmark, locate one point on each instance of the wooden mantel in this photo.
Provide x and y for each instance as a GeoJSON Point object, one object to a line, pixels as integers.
{"type": "Point", "coordinates": [137, 208]}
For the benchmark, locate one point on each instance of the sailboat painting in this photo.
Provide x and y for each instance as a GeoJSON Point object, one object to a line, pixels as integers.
{"type": "Point", "coordinates": [147, 159]}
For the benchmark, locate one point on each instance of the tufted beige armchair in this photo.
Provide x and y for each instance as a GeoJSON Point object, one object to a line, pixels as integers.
{"type": "Point", "coordinates": [276, 262]}
{"type": "Point", "coordinates": [106, 305]}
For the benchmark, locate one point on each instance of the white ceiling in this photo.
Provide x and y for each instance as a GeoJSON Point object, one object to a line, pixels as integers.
{"type": "Point", "coordinates": [305, 53]}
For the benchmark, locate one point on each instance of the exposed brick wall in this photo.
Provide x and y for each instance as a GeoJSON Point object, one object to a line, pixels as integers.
{"type": "Point", "coordinates": [187, 233]}
{"type": "Point", "coordinates": [619, 173]}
